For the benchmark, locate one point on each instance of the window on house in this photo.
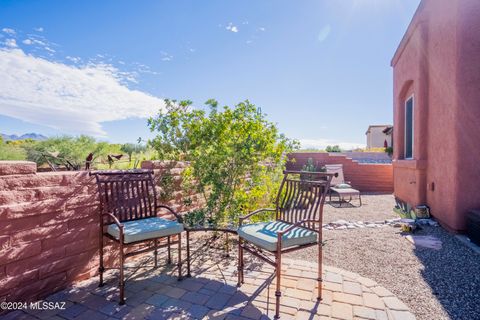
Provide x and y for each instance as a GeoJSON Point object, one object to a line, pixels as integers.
{"type": "Point", "coordinates": [409, 128]}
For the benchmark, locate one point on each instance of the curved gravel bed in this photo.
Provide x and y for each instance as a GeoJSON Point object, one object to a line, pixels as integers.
{"type": "Point", "coordinates": [443, 284]}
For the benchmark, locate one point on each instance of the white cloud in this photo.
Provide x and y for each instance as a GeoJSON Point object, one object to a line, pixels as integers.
{"type": "Point", "coordinates": [324, 33]}
{"type": "Point", "coordinates": [232, 28]}
{"type": "Point", "coordinates": [68, 98]}
{"type": "Point", "coordinates": [262, 29]}
{"type": "Point", "coordinates": [33, 41]}
{"type": "Point", "coordinates": [166, 56]}
{"type": "Point", "coordinates": [323, 143]}
{"type": "Point", "coordinates": [9, 31]}
{"type": "Point", "coordinates": [11, 43]}
{"type": "Point", "coordinates": [73, 59]}
{"type": "Point", "coordinates": [39, 29]}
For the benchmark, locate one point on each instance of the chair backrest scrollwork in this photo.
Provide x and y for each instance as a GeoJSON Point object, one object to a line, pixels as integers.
{"type": "Point", "coordinates": [301, 197]}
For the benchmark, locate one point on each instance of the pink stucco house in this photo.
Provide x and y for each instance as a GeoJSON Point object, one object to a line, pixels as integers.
{"type": "Point", "coordinates": [436, 71]}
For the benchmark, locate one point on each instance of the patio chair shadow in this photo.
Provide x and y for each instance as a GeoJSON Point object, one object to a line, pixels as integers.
{"type": "Point", "coordinates": [341, 204]}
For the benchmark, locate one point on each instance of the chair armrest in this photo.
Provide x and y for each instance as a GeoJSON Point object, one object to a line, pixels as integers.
{"type": "Point", "coordinates": [115, 219]}
{"type": "Point", "coordinates": [241, 219]}
{"type": "Point", "coordinates": [118, 224]}
{"type": "Point", "coordinates": [177, 216]}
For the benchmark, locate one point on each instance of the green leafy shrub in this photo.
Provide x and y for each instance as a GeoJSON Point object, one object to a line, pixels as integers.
{"type": "Point", "coordinates": [236, 156]}
{"type": "Point", "coordinates": [335, 148]}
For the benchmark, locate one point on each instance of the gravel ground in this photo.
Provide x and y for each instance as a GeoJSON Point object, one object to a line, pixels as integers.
{"type": "Point", "coordinates": [442, 284]}
{"type": "Point", "coordinates": [375, 207]}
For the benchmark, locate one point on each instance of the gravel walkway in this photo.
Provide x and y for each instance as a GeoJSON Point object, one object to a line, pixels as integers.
{"type": "Point", "coordinates": [442, 284]}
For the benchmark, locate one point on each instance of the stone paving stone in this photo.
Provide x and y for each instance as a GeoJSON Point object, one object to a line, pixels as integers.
{"type": "Point", "coordinates": [218, 300]}
{"type": "Point", "coordinates": [111, 308]}
{"type": "Point", "coordinates": [195, 297]}
{"type": "Point", "coordinates": [215, 315]}
{"type": "Point", "coordinates": [213, 295]}
{"type": "Point", "coordinates": [91, 315]}
{"type": "Point", "coordinates": [228, 289]}
{"type": "Point", "coordinates": [324, 310]}
{"type": "Point", "coordinates": [174, 292]}
{"type": "Point", "coordinates": [134, 299]}
{"type": "Point", "coordinates": [77, 295]}
{"type": "Point", "coordinates": [290, 302]}
{"type": "Point", "coordinates": [400, 315]}
{"type": "Point", "coordinates": [175, 305]}
{"type": "Point", "coordinates": [352, 287]}
{"type": "Point", "coordinates": [198, 311]}
{"type": "Point", "coordinates": [333, 277]}
{"type": "Point", "coordinates": [347, 298]}
{"type": "Point", "coordinates": [251, 312]}
{"type": "Point", "coordinates": [157, 300]}
{"type": "Point", "coordinates": [332, 286]}
{"type": "Point", "coordinates": [141, 311]}
{"type": "Point", "coordinates": [371, 300]}
{"type": "Point", "coordinates": [394, 304]}
{"type": "Point", "coordinates": [95, 302]}
{"type": "Point", "coordinates": [73, 311]}
{"type": "Point", "coordinates": [342, 311]}
{"type": "Point", "coordinates": [190, 285]}
{"type": "Point", "coordinates": [306, 284]}
{"type": "Point", "coordinates": [381, 315]}
{"type": "Point", "coordinates": [363, 312]}
{"type": "Point", "coordinates": [303, 315]}
{"type": "Point", "coordinates": [381, 292]}
{"type": "Point", "coordinates": [367, 282]}
{"type": "Point", "coordinates": [213, 285]}
{"type": "Point", "coordinates": [237, 299]}
{"type": "Point", "coordinates": [206, 292]}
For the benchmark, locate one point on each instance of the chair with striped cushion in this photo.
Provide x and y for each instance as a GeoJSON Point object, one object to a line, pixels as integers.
{"type": "Point", "coordinates": [297, 225]}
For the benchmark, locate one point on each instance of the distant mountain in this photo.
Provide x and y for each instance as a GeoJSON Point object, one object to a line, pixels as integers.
{"type": "Point", "coordinates": [33, 136]}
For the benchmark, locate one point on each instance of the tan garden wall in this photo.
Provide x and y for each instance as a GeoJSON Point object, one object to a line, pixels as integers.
{"type": "Point", "coordinates": [49, 231]}
{"type": "Point", "coordinates": [366, 177]}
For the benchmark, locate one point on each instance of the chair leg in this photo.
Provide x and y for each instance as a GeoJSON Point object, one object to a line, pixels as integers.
{"type": "Point", "coordinates": [122, 279]}
{"type": "Point", "coordinates": [227, 247]}
{"type": "Point", "coordinates": [360, 198]}
{"type": "Point", "coordinates": [101, 268]}
{"type": "Point", "coordinates": [169, 259]}
{"type": "Point", "coordinates": [179, 257]}
{"type": "Point", "coordinates": [319, 276]}
{"type": "Point", "coordinates": [278, 293]}
{"type": "Point", "coordinates": [155, 253]}
{"type": "Point", "coordinates": [240, 263]}
{"type": "Point", "coordinates": [188, 254]}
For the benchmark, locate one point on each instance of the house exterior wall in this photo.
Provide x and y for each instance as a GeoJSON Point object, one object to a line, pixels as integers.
{"type": "Point", "coordinates": [376, 138]}
{"type": "Point", "coordinates": [437, 63]}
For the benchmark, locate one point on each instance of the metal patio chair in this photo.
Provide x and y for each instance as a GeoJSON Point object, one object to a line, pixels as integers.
{"type": "Point", "coordinates": [297, 225]}
{"type": "Point", "coordinates": [128, 216]}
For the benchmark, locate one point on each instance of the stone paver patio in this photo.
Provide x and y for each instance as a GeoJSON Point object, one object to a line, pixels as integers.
{"type": "Point", "coordinates": [211, 293]}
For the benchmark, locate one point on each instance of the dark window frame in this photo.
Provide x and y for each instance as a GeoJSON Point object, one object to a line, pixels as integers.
{"type": "Point", "coordinates": [409, 128]}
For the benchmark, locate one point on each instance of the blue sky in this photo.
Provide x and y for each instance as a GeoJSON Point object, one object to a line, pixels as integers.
{"type": "Point", "coordinates": [319, 69]}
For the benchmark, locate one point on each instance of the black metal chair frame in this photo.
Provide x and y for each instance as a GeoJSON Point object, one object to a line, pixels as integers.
{"type": "Point", "coordinates": [129, 195]}
{"type": "Point", "coordinates": [299, 203]}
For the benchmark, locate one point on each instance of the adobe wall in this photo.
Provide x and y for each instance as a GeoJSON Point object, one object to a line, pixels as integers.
{"type": "Point", "coordinates": [366, 177]}
{"type": "Point", "coordinates": [49, 227]}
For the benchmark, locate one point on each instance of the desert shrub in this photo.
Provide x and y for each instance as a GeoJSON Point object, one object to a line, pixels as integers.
{"type": "Point", "coordinates": [236, 155]}
{"type": "Point", "coordinates": [11, 151]}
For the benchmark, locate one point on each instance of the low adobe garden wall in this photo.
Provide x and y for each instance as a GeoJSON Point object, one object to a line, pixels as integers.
{"type": "Point", "coordinates": [49, 226]}
{"type": "Point", "coordinates": [366, 177]}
